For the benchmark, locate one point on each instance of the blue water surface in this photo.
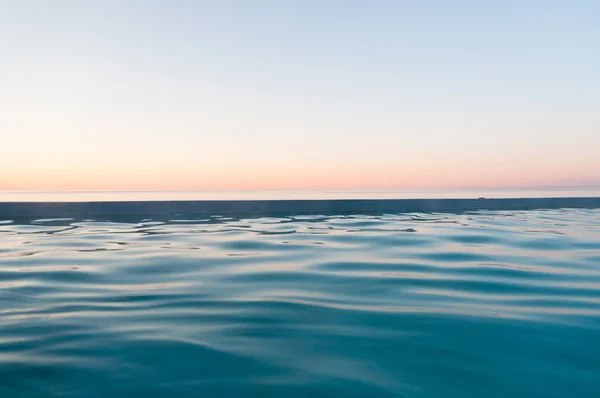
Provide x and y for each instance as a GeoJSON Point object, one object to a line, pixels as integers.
{"type": "Point", "coordinates": [484, 304]}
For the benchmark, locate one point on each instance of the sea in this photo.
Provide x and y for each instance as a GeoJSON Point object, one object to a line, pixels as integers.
{"type": "Point", "coordinates": [425, 305]}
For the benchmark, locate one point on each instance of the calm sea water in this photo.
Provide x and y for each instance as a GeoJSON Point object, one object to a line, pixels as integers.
{"type": "Point", "coordinates": [485, 304]}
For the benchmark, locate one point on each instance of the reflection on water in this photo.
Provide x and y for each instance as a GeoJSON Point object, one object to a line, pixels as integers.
{"type": "Point", "coordinates": [490, 304]}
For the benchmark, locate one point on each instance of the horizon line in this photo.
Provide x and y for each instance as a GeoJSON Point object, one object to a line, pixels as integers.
{"type": "Point", "coordinates": [306, 189]}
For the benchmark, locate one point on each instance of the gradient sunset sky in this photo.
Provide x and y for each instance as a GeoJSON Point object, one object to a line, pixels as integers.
{"type": "Point", "coordinates": [276, 94]}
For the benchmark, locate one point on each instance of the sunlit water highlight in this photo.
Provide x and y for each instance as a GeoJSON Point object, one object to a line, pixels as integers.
{"type": "Point", "coordinates": [484, 304]}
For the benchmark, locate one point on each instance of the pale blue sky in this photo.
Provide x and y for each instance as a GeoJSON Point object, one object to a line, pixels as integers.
{"type": "Point", "coordinates": [298, 94]}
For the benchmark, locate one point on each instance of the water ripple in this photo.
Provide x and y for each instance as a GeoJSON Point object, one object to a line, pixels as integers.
{"type": "Point", "coordinates": [476, 304]}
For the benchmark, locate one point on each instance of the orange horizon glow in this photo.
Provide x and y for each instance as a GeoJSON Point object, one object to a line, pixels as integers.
{"type": "Point", "coordinates": [298, 171]}
{"type": "Point", "coordinates": [174, 180]}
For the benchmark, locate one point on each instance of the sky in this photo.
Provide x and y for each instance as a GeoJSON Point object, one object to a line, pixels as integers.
{"type": "Point", "coordinates": [298, 94]}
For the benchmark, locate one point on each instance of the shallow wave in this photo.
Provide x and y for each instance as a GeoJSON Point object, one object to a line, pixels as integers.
{"type": "Point", "coordinates": [476, 304]}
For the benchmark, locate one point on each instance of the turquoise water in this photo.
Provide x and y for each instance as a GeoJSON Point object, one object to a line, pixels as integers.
{"type": "Point", "coordinates": [485, 304]}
